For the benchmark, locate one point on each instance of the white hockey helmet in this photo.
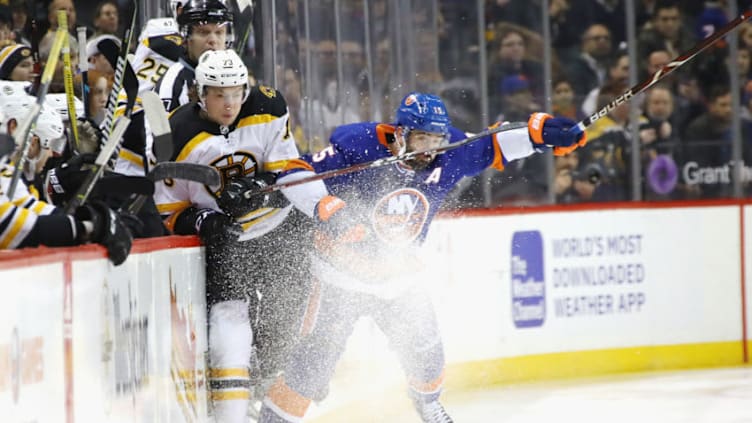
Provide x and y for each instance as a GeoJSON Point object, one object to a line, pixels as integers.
{"type": "Point", "coordinates": [221, 68]}
{"type": "Point", "coordinates": [59, 102]}
{"type": "Point", "coordinates": [50, 130]}
{"type": "Point", "coordinates": [49, 126]}
{"type": "Point", "coordinates": [157, 27]}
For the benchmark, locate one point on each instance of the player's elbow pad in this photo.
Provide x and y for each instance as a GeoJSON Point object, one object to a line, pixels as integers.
{"type": "Point", "coordinates": [515, 143]}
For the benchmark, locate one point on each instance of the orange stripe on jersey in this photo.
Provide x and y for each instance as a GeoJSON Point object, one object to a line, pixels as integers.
{"type": "Point", "coordinates": [382, 130]}
{"type": "Point", "coordinates": [288, 400]}
{"type": "Point", "coordinates": [498, 161]}
{"type": "Point", "coordinates": [428, 387]}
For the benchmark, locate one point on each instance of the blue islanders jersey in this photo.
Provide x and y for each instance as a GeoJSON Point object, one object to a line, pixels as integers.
{"type": "Point", "coordinates": [399, 202]}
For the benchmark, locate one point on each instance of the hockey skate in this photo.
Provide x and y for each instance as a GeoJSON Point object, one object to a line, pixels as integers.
{"type": "Point", "coordinates": [432, 412]}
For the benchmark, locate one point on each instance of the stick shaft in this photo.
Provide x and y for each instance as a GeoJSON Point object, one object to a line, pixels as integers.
{"type": "Point", "coordinates": [23, 132]}
{"type": "Point", "coordinates": [665, 70]}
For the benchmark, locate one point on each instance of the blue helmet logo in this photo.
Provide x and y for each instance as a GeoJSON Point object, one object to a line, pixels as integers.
{"type": "Point", "coordinates": [423, 112]}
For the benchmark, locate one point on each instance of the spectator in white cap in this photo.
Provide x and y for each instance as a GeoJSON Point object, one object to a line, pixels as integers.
{"type": "Point", "coordinates": [16, 63]}
{"type": "Point", "coordinates": [102, 52]}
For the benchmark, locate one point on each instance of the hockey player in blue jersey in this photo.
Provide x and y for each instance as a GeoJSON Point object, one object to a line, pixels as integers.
{"type": "Point", "coordinates": [373, 273]}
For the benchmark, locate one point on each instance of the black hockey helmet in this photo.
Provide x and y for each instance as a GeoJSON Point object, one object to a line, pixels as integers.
{"type": "Point", "coordinates": [200, 12]}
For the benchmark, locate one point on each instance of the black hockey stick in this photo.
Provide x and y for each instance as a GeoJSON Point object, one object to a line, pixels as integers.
{"type": "Point", "coordinates": [99, 164]}
{"type": "Point", "coordinates": [193, 172]}
{"type": "Point", "coordinates": [665, 70]}
{"type": "Point", "coordinates": [109, 117]}
{"type": "Point", "coordinates": [245, 22]}
{"type": "Point", "coordinates": [22, 135]}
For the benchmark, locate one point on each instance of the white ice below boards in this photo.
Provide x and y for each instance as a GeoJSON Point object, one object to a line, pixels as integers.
{"type": "Point", "coordinates": [691, 396]}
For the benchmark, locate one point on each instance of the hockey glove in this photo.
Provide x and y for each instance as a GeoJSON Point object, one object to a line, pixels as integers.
{"type": "Point", "coordinates": [337, 222]}
{"type": "Point", "coordinates": [213, 227]}
{"type": "Point", "coordinates": [99, 224]}
{"type": "Point", "coordinates": [89, 136]}
{"type": "Point", "coordinates": [560, 133]}
{"type": "Point", "coordinates": [233, 202]}
{"type": "Point", "coordinates": [62, 182]}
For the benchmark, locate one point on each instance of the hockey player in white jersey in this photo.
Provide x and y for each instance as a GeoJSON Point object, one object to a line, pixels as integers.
{"type": "Point", "coordinates": [255, 249]}
{"type": "Point", "coordinates": [204, 25]}
{"type": "Point", "coordinates": [160, 45]}
{"type": "Point", "coordinates": [25, 220]}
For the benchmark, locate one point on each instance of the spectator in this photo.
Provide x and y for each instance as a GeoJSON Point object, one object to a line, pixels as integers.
{"type": "Point", "coordinates": [588, 71]}
{"type": "Point", "coordinates": [510, 59]}
{"type": "Point", "coordinates": [102, 52]}
{"type": "Point", "coordinates": [667, 32]}
{"type": "Point", "coordinates": [655, 61]}
{"type": "Point", "coordinates": [745, 35]}
{"type": "Point", "coordinates": [106, 18]}
{"type": "Point", "coordinates": [7, 36]}
{"type": "Point", "coordinates": [618, 73]}
{"type": "Point", "coordinates": [70, 10]}
{"type": "Point", "coordinates": [708, 140]}
{"type": "Point", "coordinates": [562, 100]}
{"type": "Point", "coordinates": [17, 63]}
{"type": "Point", "coordinates": [20, 17]}
{"type": "Point", "coordinates": [569, 19]}
{"type": "Point", "coordinates": [657, 133]}
{"type": "Point", "coordinates": [517, 100]}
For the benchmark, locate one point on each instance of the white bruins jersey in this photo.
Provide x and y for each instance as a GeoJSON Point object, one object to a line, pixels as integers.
{"type": "Point", "coordinates": [159, 46]}
{"type": "Point", "coordinates": [258, 140]}
{"type": "Point", "coordinates": [18, 215]}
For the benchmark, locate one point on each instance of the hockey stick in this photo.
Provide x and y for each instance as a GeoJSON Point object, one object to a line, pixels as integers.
{"type": "Point", "coordinates": [162, 137]}
{"type": "Point", "coordinates": [193, 172]}
{"type": "Point", "coordinates": [62, 21]}
{"type": "Point", "coordinates": [83, 68]}
{"type": "Point", "coordinates": [384, 161]}
{"type": "Point", "coordinates": [99, 164]}
{"type": "Point", "coordinates": [665, 70]}
{"type": "Point", "coordinates": [109, 117]}
{"type": "Point", "coordinates": [245, 18]}
{"type": "Point", "coordinates": [159, 124]}
{"type": "Point", "coordinates": [22, 135]}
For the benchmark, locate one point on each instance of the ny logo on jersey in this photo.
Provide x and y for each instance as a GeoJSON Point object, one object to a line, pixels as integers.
{"type": "Point", "coordinates": [399, 216]}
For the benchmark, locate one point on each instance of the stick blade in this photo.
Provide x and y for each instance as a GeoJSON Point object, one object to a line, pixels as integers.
{"type": "Point", "coordinates": [159, 124]}
{"type": "Point", "coordinates": [194, 172]}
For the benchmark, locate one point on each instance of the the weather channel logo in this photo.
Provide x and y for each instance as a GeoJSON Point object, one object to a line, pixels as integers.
{"type": "Point", "coordinates": [528, 286]}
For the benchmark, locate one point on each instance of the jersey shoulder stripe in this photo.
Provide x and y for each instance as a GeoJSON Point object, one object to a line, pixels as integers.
{"type": "Point", "coordinates": [188, 130]}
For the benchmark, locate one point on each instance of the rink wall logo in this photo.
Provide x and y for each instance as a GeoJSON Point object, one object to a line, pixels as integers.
{"type": "Point", "coordinates": [527, 282]}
